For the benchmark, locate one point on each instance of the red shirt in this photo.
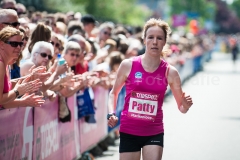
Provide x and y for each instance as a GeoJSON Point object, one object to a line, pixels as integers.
{"type": "Point", "coordinates": [81, 68]}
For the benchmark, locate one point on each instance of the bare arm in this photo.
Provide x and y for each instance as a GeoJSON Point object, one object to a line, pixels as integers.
{"type": "Point", "coordinates": [26, 101]}
{"type": "Point", "coordinates": [122, 74]}
{"type": "Point", "coordinates": [49, 82]}
{"type": "Point", "coordinates": [69, 91]}
{"type": "Point", "coordinates": [5, 97]}
{"type": "Point", "coordinates": [25, 68]}
{"type": "Point", "coordinates": [183, 102]}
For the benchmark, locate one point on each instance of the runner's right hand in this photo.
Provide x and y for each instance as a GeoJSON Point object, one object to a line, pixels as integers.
{"type": "Point", "coordinates": [112, 121]}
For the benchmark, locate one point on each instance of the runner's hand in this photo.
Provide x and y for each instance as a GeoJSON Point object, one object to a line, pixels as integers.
{"type": "Point", "coordinates": [112, 121]}
{"type": "Point", "coordinates": [186, 101]}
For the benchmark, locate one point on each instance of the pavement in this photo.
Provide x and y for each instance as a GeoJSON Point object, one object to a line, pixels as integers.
{"type": "Point", "coordinates": [211, 128]}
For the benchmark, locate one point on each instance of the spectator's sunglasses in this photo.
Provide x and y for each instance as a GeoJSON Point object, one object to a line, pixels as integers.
{"type": "Point", "coordinates": [107, 33]}
{"type": "Point", "coordinates": [14, 44]}
{"type": "Point", "coordinates": [15, 9]}
{"type": "Point", "coordinates": [73, 55]}
{"type": "Point", "coordinates": [14, 24]}
{"type": "Point", "coordinates": [44, 55]}
{"type": "Point", "coordinates": [25, 38]}
{"type": "Point", "coordinates": [55, 44]}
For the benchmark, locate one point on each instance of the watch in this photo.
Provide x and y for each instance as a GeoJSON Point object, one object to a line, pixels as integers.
{"type": "Point", "coordinates": [16, 92]}
{"type": "Point", "coordinates": [110, 114]}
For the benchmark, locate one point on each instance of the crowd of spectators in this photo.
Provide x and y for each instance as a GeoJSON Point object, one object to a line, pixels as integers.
{"type": "Point", "coordinates": [33, 45]}
{"type": "Point", "coordinates": [92, 52]}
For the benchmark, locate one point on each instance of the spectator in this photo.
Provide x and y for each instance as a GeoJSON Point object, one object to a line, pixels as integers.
{"type": "Point", "coordinates": [10, 48]}
{"type": "Point", "coordinates": [75, 26]}
{"type": "Point", "coordinates": [41, 33]}
{"type": "Point", "coordinates": [104, 34]}
{"type": "Point", "coordinates": [89, 24]}
{"type": "Point", "coordinates": [8, 4]}
{"type": "Point", "coordinates": [21, 9]}
{"type": "Point", "coordinates": [56, 44]}
{"type": "Point", "coordinates": [15, 69]}
{"type": "Point", "coordinates": [8, 17]}
{"type": "Point", "coordinates": [82, 65]}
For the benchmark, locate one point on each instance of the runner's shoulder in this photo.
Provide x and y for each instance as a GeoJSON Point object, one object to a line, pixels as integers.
{"type": "Point", "coordinates": [127, 63]}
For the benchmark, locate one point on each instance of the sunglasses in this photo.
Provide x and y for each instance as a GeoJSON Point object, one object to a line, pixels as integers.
{"type": "Point", "coordinates": [19, 13]}
{"type": "Point", "coordinates": [15, 9]}
{"type": "Point", "coordinates": [44, 55]}
{"type": "Point", "coordinates": [14, 44]}
{"type": "Point", "coordinates": [107, 33]}
{"type": "Point", "coordinates": [25, 38]}
{"type": "Point", "coordinates": [73, 55]}
{"type": "Point", "coordinates": [56, 45]}
{"type": "Point", "coordinates": [14, 24]}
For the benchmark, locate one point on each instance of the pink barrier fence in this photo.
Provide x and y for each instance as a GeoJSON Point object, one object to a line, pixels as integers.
{"type": "Point", "coordinates": [27, 133]}
{"type": "Point", "coordinates": [16, 134]}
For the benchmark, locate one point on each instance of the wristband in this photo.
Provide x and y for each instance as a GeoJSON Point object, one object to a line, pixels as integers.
{"type": "Point", "coordinates": [110, 114]}
{"type": "Point", "coordinates": [16, 92]}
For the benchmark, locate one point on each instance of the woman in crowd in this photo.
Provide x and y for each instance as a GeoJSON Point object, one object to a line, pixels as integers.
{"type": "Point", "coordinates": [15, 69]}
{"type": "Point", "coordinates": [41, 33]}
{"type": "Point", "coordinates": [10, 48]}
{"type": "Point", "coordinates": [56, 44]}
{"type": "Point", "coordinates": [41, 55]}
{"type": "Point", "coordinates": [146, 78]}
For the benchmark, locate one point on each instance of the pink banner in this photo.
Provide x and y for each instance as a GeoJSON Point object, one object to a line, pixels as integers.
{"type": "Point", "coordinates": [53, 139]}
{"type": "Point", "coordinates": [16, 134]}
{"type": "Point", "coordinates": [179, 20]}
{"type": "Point", "coordinates": [92, 133]}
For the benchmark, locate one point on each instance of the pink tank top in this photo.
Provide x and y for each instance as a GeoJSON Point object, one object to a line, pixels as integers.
{"type": "Point", "coordinates": [7, 83]}
{"type": "Point", "coordinates": [142, 114]}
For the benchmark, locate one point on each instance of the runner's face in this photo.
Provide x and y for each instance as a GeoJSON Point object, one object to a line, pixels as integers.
{"type": "Point", "coordinates": [154, 40]}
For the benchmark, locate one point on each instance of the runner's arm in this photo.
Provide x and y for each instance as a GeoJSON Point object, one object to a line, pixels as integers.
{"type": "Point", "coordinates": [174, 82]}
{"type": "Point", "coordinates": [122, 74]}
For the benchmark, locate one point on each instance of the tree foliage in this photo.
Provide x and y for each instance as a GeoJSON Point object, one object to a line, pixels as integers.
{"type": "Point", "coordinates": [121, 11]}
{"type": "Point", "coordinates": [204, 8]}
{"type": "Point", "coordinates": [235, 6]}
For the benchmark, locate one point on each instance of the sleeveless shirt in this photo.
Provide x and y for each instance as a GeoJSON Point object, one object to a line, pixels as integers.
{"type": "Point", "coordinates": [6, 82]}
{"type": "Point", "coordinates": [142, 114]}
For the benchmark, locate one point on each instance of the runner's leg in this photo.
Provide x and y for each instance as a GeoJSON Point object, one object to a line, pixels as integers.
{"type": "Point", "coordinates": [130, 156]}
{"type": "Point", "coordinates": [152, 152]}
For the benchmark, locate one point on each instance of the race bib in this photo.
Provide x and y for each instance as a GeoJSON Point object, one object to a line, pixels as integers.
{"type": "Point", "coordinates": [143, 106]}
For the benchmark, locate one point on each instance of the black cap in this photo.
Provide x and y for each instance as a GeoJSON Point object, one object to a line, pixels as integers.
{"type": "Point", "coordinates": [88, 19]}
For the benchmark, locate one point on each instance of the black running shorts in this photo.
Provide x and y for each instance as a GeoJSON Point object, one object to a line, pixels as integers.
{"type": "Point", "coordinates": [132, 143]}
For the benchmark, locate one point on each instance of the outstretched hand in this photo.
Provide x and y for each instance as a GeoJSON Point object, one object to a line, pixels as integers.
{"type": "Point", "coordinates": [24, 86]}
{"type": "Point", "coordinates": [32, 100]}
{"type": "Point", "coordinates": [39, 72]}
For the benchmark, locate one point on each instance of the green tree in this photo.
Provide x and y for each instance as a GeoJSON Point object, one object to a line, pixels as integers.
{"type": "Point", "coordinates": [204, 8]}
{"type": "Point", "coordinates": [235, 6]}
{"type": "Point", "coordinates": [121, 11]}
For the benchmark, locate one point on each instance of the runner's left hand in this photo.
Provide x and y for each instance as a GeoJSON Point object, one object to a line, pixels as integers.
{"type": "Point", "coordinates": [186, 101]}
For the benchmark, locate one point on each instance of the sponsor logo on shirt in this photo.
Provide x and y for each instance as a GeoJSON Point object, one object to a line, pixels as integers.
{"type": "Point", "coordinates": [138, 77]}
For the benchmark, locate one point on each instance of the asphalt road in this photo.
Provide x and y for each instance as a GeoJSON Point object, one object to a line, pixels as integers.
{"type": "Point", "coordinates": [211, 128]}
